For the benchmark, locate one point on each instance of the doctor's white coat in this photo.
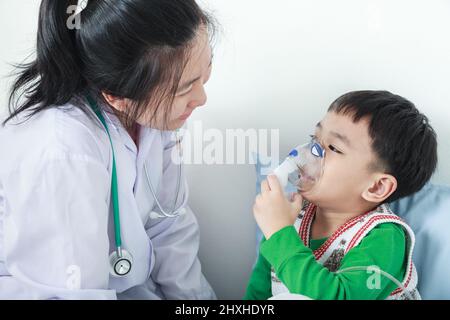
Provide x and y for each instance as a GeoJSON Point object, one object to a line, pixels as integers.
{"type": "Point", "coordinates": [56, 220]}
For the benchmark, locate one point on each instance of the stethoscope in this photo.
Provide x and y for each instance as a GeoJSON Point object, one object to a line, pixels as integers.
{"type": "Point", "coordinates": [120, 259]}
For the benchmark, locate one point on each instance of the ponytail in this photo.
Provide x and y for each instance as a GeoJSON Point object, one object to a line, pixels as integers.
{"type": "Point", "coordinates": [54, 77]}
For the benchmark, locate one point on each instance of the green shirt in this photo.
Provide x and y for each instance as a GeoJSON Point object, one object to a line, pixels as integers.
{"type": "Point", "coordinates": [295, 265]}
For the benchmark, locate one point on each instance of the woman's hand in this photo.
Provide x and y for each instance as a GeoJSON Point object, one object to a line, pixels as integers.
{"type": "Point", "coordinates": [272, 210]}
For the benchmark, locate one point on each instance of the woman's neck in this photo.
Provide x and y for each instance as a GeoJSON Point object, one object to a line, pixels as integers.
{"type": "Point", "coordinates": [133, 131]}
{"type": "Point", "coordinates": [134, 134]}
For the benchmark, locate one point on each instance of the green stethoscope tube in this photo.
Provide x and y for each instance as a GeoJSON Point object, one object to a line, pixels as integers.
{"type": "Point", "coordinates": [114, 187]}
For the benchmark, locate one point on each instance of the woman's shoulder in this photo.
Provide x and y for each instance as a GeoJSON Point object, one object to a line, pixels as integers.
{"type": "Point", "coordinates": [52, 134]}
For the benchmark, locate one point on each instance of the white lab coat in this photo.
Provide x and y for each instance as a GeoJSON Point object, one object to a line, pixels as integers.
{"type": "Point", "coordinates": [56, 219]}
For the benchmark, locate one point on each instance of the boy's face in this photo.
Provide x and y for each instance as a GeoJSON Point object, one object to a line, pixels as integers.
{"type": "Point", "coordinates": [348, 165]}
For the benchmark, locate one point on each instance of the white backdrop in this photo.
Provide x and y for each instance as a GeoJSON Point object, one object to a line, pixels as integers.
{"type": "Point", "coordinates": [278, 65]}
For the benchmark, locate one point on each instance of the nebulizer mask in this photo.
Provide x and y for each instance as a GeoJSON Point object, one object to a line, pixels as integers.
{"type": "Point", "coordinates": [303, 167]}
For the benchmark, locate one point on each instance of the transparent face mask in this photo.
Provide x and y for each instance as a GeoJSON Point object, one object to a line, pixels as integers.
{"type": "Point", "coordinates": [303, 167]}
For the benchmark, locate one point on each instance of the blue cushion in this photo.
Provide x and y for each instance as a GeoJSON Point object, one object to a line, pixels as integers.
{"type": "Point", "coordinates": [428, 214]}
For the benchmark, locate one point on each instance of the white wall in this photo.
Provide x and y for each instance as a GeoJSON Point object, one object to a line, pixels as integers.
{"type": "Point", "coordinates": [279, 65]}
{"type": "Point", "coordinates": [18, 25]}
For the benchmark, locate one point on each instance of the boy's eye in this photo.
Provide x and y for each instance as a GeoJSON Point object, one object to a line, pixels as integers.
{"type": "Point", "coordinates": [332, 148]}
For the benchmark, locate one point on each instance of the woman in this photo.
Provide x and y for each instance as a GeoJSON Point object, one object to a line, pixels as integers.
{"type": "Point", "coordinates": [92, 205]}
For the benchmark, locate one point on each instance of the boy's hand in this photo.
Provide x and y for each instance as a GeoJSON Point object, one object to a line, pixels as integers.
{"type": "Point", "coordinates": [272, 210]}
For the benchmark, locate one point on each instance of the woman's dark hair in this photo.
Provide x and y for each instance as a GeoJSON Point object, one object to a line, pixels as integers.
{"type": "Point", "coordinates": [402, 137]}
{"type": "Point", "coordinates": [134, 49]}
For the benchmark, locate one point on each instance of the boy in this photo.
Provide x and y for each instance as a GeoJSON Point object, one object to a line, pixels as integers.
{"type": "Point", "coordinates": [378, 148]}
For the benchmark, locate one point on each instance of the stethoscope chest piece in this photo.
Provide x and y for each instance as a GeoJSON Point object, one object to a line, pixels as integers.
{"type": "Point", "coordinates": [120, 262]}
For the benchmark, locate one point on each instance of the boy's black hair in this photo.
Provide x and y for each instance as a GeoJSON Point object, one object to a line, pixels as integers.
{"type": "Point", "coordinates": [402, 137]}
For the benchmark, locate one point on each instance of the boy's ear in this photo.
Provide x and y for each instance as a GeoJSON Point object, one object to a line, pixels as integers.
{"type": "Point", "coordinates": [383, 186]}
